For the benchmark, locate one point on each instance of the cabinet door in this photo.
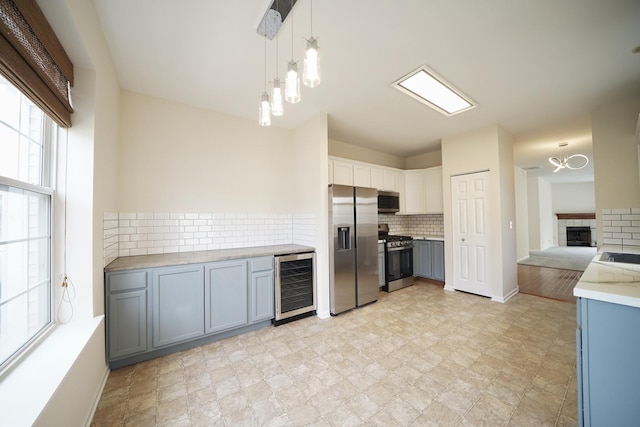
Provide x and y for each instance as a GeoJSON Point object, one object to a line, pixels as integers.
{"type": "Point", "coordinates": [377, 178]}
{"type": "Point", "coordinates": [178, 309]}
{"type": "Point", "coordinates": [361, 176]}
{"type": "Point", "coordinates": [342, 172]}
{"type": "Point", "coordinates": [611, 378]}
{"type": "Point", "coordinates": [390, 181]}
{"type": "Point", "coordinates": [425, 262]}
{"type": "Point", "coordinates": [417, 259]}
{"type": "Point", "coordinates": [414, 189]}
{"type": "Point", "coordinates": [262, 290]}
{"type": "Point", "coordinates": [437, 257]}
{"type": "Point", "coordinates": [433, 184]}
{"type": "Point", "coordinates": [226, 299]}
{"type": "Point", "coordinates": [127, 323]}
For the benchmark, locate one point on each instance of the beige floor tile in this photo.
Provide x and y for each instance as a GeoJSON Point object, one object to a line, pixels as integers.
{"type": "Point", "coordinates": [420, 356]}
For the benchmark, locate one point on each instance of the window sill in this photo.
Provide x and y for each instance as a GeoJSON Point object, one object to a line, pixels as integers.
{"type": "Point", "coordinates": [26, 390]}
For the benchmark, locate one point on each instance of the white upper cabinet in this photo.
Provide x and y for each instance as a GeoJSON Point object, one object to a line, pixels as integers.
{"type": "Point", "coordinates": [414, 192]}
{"type": "Point", "coordinates": [422, 191]}
{"type": "Point", "coordinates": [391, 180]}
{"type": "Point", "coordinates": [377, 178]}
{"type": "Point", "coordinates": [342, 172]}
{"type": "Point", "coordinates": [361, 175]}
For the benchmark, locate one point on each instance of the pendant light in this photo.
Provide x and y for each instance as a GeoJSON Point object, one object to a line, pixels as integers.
{"type": "Point", "coordinates": [566, 162]}
{"type": "Point", "coordinates": [264, 110]}
{"type": "Point", "coordinates": [277, 106]}
{"type": "Point", "coordinates": [292, 82]}
{"type": "Point", "coordinates": [311, 72]}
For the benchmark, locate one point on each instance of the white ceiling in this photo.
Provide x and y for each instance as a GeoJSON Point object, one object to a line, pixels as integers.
{"type": "Point", "coordinates": [535, 67]}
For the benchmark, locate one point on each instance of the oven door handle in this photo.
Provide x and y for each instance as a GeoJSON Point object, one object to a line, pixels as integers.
{"type": "Point", "coordinates": [399, 248]}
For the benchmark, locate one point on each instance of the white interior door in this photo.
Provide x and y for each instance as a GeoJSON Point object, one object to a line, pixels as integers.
{"type": "Point", "coordinates": [470, 200]}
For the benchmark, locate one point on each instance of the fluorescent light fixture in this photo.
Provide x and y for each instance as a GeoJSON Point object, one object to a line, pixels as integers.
{"type": "Point", "coordinates": [429, 88]}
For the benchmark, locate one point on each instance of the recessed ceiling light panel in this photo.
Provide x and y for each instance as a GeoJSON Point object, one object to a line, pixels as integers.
{"type": "Point", "coordinates": [429, 88]}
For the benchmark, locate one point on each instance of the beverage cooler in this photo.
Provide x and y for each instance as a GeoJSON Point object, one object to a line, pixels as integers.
{"type": "Point", "coordinates": [295, 287]}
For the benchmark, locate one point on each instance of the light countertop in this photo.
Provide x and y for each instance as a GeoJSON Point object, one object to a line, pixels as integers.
{"type": "Point", "coordinates": [198, 257]}
{"type": "Point", "coordinates": [613, 282]}
{"type": "Point", "coordinates": [440, 238]}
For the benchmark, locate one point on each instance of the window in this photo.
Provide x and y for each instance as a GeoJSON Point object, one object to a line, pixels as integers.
{"type": "Point", "coordinates": [26, 134]}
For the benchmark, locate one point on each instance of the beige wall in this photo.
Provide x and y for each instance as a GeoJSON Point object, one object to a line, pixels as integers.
{"type": "Point", "coordinates": [354, 152]}
{"type": "Point", "coordinates": [541, 218]}
{"type": "Point", "coordinates": [493, 152]}
{"type": "Point", "coordinates": [174, 157]}
{"type": "Point", "coordinates": [423, 161]}
{"type": "Point", "coordinates": [573, 197]}
{"type": "Point", "coordinates": [312, 178]}
{"type": "Point", "coordinates": [522, 214]}
{"type": "Point", "coordinates": [615, 157]}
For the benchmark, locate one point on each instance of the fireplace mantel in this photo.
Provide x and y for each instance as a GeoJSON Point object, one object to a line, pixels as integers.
{"type": "Point", "coordinates": [581, 215]}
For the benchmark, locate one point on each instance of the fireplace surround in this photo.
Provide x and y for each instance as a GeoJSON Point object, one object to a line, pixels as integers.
{"type": "Point", "coordinates": [566, 221]}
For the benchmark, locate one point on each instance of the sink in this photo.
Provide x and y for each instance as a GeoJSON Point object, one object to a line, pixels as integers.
{"type": "Point", "coordinates": [620, 257]}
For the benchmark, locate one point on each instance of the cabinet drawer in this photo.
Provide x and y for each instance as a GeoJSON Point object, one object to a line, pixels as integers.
{"type": "Point", "coordinates": [126, 281]}
{"type": "Point", "coordinates": [260, 264]}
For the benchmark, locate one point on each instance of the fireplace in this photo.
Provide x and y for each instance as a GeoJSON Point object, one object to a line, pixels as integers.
{"type": "Point", "coordinates": [578, 236]}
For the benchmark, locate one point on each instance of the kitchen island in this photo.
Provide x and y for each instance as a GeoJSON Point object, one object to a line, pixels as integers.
{"type": "Point", "coordinates": [160, 304]}
{"type": "Point", "coordinates": [608, 342]}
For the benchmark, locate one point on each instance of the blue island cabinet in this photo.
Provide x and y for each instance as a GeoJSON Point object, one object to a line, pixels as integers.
{"type": "Point", "coordinates": [608, 363]}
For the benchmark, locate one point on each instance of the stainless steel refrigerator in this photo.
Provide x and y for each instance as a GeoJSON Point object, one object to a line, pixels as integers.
{"type": "Point", "coordinates": [353, 247]}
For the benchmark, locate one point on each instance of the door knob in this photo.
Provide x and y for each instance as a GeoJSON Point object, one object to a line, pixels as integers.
{"type": "Point", "coordinates": [463, 239]}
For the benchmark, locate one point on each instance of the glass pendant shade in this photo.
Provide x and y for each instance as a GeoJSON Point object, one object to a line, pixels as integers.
{"type": "Point", "coordinates": [264, 111]}
{"type": "Point", "coordinates": [311, 73]}
{"type": "Point", "coordinates": [277, 107]}
{"type": "Point", "coordinates": [292, 84]}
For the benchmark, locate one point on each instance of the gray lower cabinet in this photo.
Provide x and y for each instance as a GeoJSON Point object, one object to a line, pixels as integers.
{"type": "Point", "coordinates": [437, 260]}
{"type": "Point", "coordinates": [607, 349]}
{"type": "Point", "coordinates": [177, 308]}
{"type": "Point", "coordinates": [381, 266]}
{"type": "Point", "coordinates": [226, 295]}
{"type": "Point", "coordinates": [127, 311]}
{"type": "Point", "coordinates": [157, 311]}
{"type": "Point", "coordinates": [428, 259]}
{"type": "Point", "coordinates": [261, 296]}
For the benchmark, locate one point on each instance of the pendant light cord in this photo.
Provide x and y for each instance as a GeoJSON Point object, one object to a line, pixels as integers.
{"type": "Point", "coordinates": [277, 7]}
{"type": "Point", "coordinates": [291, 12]}
{"type": "Point", "coordinates": [311, 13]}
{"type": "Point", "coordinates": [265, 61]}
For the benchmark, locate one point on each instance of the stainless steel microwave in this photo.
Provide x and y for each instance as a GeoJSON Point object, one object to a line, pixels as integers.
{"type": "Point", "coordinates": [388, 202]}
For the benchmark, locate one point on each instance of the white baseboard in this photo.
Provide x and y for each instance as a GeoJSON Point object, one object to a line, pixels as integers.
{"type": "Point", "coordinates": [507, 297]}
{"type": "Point", "coordinates": [96, 400]}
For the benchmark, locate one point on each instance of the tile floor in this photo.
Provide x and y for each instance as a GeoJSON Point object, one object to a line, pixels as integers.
{"type": "Point", "coordinates": [420, 356]}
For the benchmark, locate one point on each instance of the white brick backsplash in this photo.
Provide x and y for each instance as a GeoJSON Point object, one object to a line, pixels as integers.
{"type": "Point", "coordinates": [621, 211]}
{"type": "Point", "coordinates": [414, 225]}
{"type": "Point", "coordinates": [621, 226]}
{"type": "Point", "coordinates": [149, 233]}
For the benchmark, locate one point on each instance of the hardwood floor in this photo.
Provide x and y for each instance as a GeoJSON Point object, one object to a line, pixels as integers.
{"type": "Point", "coordinates": [547, 282]}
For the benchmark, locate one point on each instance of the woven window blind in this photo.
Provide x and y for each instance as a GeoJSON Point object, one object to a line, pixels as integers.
{"type": "Point", "coordinates": [32, 58]}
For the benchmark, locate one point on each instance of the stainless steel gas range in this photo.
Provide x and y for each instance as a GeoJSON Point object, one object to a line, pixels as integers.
{"type": "Point", "coordinates": [398, 258]}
